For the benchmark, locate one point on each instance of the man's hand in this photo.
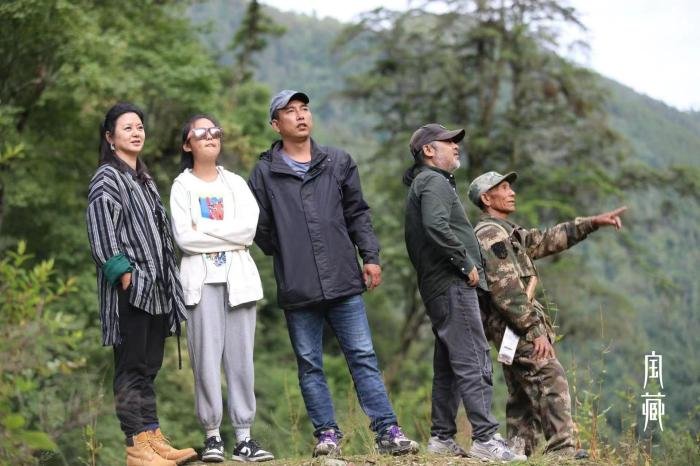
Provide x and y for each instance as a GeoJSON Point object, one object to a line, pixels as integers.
{"type": "Point", "coordinates": [609, 218]}
{"type": "Point", "coordinates": [542, 348]}
{"type": "Point", "coordinates": [372, 274]}
{"type": "Point", "coordinates": [126, 280]}
{"type": "Point", "coordinates": [473, 277]}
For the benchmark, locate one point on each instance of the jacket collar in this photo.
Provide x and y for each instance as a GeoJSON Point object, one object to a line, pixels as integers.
{"type": "Point", "coordinates": [449, 176]}
{"type": "Point", "coordinates": [278, 165]}
{"type": "Point", "coordinates": [140, 174]}
{"type": "Point", "coordinates": [505, 223]}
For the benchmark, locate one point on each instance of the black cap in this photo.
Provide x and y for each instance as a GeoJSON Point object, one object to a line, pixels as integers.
{"type": "Point", "coordinates": [432, 132]}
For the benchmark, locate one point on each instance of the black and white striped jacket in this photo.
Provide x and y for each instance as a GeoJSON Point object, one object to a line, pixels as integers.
{"type": "Point", "coordinates": [126, 216]}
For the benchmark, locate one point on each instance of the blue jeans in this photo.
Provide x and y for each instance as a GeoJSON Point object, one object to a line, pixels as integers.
{"type": "Point", "coordinates": [348, 320]}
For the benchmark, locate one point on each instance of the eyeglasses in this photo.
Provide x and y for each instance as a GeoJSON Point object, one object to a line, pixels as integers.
{"type": "Point", "coordinates": [200, 133]}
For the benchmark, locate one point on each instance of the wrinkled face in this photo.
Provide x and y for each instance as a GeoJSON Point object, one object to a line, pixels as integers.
{"type": "Point", "coordinates": [294, 121]}
{"type": "Point", "coordinates": [204, 149]}
{"type": "Point", "coordinates": [129, 135]}
{"type": "Point", "coordinates": [500, 199]}
{"type": "Point", "coordinates": [443, 154]}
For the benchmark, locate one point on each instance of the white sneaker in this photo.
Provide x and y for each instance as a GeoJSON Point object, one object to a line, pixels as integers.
{"type": "Point", "coordinates": [213, 450]}
{"type": "Point", "coordinates": [495, 449]}
{"type": "Point", "coordinates": [446, 447]}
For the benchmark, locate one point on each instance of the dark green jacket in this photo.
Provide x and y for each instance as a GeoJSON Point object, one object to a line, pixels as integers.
{"type": "Point", "coordinates": [439, 238]}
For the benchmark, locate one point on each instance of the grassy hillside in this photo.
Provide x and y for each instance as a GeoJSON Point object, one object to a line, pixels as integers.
{"type": "Point", "coordinates": [660, 135]}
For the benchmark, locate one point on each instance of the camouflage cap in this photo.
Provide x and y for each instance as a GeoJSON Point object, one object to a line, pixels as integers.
{"type": "Point", "coordinates": [283, 98]}
{"type": "Point", "coordinates": [483, 183]}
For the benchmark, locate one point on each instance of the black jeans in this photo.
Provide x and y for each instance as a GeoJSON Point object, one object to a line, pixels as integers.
{"type": "Point", "coordinates": [461, 364]}
{"type": "Point", "coordinates": [137, 360]}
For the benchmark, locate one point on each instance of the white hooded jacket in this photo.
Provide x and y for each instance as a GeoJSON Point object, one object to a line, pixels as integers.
{"type": "Point", "coordinates": [234, 233]}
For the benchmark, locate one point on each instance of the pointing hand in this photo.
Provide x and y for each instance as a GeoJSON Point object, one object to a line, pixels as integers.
{"type": "Point", "coordinates": [611, 218]}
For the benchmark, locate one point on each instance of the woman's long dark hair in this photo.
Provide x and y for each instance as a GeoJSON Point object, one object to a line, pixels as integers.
{"type": "Point", "coordinates": [186, 158]}
{"type": "Point", "coordinates": [106, 154]}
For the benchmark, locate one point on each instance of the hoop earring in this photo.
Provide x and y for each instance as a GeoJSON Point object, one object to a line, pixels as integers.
{"type": "Point", "coordinates": [111, 146]}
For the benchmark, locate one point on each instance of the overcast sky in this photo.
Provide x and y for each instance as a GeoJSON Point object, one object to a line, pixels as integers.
{"type": "Point", "coordinates": [652, 46]}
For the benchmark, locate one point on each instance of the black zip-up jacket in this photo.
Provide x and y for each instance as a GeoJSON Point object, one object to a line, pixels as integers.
{"type": "Point", "coordinates": [313, 226]}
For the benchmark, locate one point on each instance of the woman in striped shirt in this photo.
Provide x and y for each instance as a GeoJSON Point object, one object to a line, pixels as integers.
{"type": "Point", "coordinates": [139, 290]}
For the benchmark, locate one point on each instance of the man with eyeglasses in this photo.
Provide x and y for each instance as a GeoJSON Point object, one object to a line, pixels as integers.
{"type": "Point", "coordinates": [445, 253]}
{"type": "Point", "coordinates": [314, 221]}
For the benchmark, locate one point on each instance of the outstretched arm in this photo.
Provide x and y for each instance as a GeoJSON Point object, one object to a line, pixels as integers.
{"type": "Point", "coordinates": [542, 243]}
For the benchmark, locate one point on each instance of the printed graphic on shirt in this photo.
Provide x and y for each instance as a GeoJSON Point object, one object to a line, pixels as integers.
{"type": "Point", "coordinates": [212, 207]}
{"type": "Point", "coordinates": [217, 259]}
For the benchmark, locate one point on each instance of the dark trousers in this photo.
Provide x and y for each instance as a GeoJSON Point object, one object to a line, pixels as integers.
{"type": "Point", "coordinates": [461, 364]}
{"type": "Point", "coordinates": [137, 360]}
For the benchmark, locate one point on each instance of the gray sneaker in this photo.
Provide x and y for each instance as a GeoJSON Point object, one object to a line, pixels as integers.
{"type": "Point", "coordinates": [495, 449]}
{"type": "Point", "coordinates": [394, 442]}
{"type": "Point", "coordinates": [446, 447]}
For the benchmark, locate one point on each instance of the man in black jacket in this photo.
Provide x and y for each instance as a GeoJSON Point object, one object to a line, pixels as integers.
{"type": "Point", "coordinates": [445, 253]}
{"type": "Point", "coordinates": [314, 221]}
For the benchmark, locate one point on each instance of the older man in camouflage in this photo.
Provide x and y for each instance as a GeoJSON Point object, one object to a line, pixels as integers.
{"type": "Point", "coordinates": [538, 392]}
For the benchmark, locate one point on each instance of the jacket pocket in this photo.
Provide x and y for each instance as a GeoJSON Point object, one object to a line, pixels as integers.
{"type": "Point", "coordinates": [141, 290]}
{"type": "Point", "coordinates": [192, 275]}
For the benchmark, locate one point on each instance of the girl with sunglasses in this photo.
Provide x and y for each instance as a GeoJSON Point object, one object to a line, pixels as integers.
{"type": "Point", "coordinates": [214, 220]}
{"type": "Point", "coordinates": [138, 282]}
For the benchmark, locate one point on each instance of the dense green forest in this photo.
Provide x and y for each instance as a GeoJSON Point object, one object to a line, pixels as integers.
{"type": "Point", "coordinates": [580, 142]}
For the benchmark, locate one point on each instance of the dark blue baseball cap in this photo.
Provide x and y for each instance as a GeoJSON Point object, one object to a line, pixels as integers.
{"type": "Point", "coordinates": [283, 98]}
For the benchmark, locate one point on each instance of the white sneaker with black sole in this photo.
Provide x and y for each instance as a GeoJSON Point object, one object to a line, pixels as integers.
{"type": "Point", "coordinates": [213, 450]}
{"type": "Point", "coordinates": [249, 451]}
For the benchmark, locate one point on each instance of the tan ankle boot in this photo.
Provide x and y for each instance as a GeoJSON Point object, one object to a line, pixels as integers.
{"type": "Point", "coordinates": [143, 454]}
{"type": "Point", "coordinates": [161, 445]}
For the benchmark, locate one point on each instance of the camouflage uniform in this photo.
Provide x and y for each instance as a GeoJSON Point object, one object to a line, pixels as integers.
{"type": "Point", "coordinates": [538, 392]}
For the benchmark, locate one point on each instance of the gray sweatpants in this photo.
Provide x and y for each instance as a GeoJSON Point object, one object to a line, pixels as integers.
{"type": "Point", "coordinates": [217, 332]}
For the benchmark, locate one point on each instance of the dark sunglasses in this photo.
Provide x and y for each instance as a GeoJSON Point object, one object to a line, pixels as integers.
{"type": "Point", "coordinates": [201, 133]}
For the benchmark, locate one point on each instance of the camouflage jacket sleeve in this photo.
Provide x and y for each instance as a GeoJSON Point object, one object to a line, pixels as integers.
{"type": "Point", "coordinates": [507, 287]}
{"type": "Point", "coordinates": [542, 243]}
